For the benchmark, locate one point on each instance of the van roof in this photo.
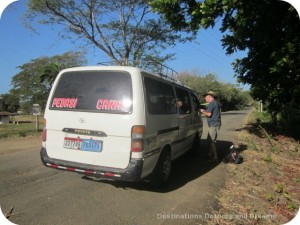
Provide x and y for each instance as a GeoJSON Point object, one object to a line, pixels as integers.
{"type": "Point", "coordinates": [82, 68]}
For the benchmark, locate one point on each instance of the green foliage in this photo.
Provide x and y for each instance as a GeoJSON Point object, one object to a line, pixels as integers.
{"type": "Point", "coordinates": [230, 96]}
{"type": "Point", "coordinates": [9, 102]}
{"type": "Point", "coordinates": [268, 158]}
{"type": "Point", "coordinates": [278, 188]}
{"type": "Point", "coordinates": [291, 206]}
{"type": "Point", "coordinates": [263, 117]}
{"type": "Point", "coordinates": [32, 84]}
{"type": "Point", "coordinates": [183, 15]}
{"type": "Point", "coordinates": [270, 196]}
{"type": "Point", "coordinates": [268, 30]}
{"type": "Point", "coordinates": [49, 73]}
{"type": "Point", "coordinates": [288, 124]}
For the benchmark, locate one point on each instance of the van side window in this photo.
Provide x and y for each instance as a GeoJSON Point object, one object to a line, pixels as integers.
{"type": "Point", "coordinates": [160, 97]}
{"type": "Point", "coordinates": [183, 95]}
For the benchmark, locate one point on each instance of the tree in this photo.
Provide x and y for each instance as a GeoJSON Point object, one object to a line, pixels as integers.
{"type": "Point", "coordinates": [125, 30]}
{"type": "Point", "coordinates": [49, 74]}
{"type": "Point", "coordinates": [58, 63]}
{"type": "Point", "coordinates": [268, 30]}
{"type": "Point", "coordinates": [199, 83]}
{"type": "Point", "coordinates": [9, 102]}
{"type": "Point", "coordinates": [230, 96]}
{"type": "Point", "coordinates": [32, 86]}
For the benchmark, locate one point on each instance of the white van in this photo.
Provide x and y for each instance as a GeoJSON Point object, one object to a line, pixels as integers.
{"type": "Point", "coordinates": [119, 122]}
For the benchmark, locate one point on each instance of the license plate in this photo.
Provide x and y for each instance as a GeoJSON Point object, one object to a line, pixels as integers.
{"type": "Point", "coordinates": [83, 144]}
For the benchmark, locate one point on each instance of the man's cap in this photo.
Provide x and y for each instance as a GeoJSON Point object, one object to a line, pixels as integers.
{"type": "Point", "coordinates": [211, 93]}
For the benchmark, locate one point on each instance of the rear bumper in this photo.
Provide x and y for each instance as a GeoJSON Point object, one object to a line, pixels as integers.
{"type": "Point", "coordinates": [131, 173]}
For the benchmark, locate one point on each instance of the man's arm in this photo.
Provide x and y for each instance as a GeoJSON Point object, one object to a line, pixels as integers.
{"type": "Point", "coordinates": [208, 114]}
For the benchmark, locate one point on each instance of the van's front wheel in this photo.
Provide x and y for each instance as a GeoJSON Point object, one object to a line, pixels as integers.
{"type": "Point", "coordinates": [162, 171]}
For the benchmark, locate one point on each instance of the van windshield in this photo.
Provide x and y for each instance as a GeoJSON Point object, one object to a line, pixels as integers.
{"type": "Point", "coordinates": [93, 91]}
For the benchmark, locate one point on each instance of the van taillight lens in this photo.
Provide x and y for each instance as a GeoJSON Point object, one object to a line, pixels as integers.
{"type": "Point", "coordinates": [136, 145]}
{"type": "Point", "coordinates": [137, 141]}
{"type": "Point", "coordinates": [44, 133]}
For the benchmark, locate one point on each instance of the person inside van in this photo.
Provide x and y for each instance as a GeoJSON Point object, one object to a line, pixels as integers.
{"type": "Point", "coordinates": [177, 105]}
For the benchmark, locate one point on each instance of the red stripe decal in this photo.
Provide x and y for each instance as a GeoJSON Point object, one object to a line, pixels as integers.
{"type": "Point", "coordinates": [109, 174]}
{"type": "Point", "coordinates": [89, 172]}
{"type": "Point", "coordinates": [54, 166]}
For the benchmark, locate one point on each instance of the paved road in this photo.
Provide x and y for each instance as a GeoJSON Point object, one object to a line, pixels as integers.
{"type": "Point", "coordinates": [43, 196]}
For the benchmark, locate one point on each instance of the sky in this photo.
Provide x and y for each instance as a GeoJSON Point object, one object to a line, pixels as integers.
{"type": "Point", "coordinates": [19, 45]}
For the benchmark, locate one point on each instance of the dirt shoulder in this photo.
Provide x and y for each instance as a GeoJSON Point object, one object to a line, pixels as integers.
{"type": "Point", "coordinates": [11, 145]}
{"type": "Point", "coordinates": [265, 188]}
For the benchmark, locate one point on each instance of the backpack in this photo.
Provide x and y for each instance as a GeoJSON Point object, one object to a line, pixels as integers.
{"type": "Point", "coordinates": [233, 156]}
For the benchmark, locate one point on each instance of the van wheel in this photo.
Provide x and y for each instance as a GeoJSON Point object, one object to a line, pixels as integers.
{"type": "Point", "coordinates": [162, 171]}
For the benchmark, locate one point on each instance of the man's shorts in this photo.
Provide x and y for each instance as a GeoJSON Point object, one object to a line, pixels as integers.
{"type": "Point", "coordinates": [213, 133]}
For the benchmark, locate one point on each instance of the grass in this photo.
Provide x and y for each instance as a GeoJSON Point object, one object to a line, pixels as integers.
{"type": "Point", "coordinates": [265, 188]}
{"type": "Point", "coordinates": [21, 126]}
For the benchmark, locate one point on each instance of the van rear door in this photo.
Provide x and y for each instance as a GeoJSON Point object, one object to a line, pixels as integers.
{"type": "Point", "coordinates": [88, 118]}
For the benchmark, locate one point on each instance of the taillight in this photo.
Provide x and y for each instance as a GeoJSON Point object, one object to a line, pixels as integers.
{"type": "Point", "coordinates": [137, 141]}
{"type": "Point", "coordinates": [44, 133]}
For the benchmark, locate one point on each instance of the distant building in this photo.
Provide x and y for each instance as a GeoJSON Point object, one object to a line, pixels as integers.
{"type": "Point", "coordinates": [4, 117]}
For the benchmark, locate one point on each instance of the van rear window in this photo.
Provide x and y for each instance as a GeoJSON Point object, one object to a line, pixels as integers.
{"type": "Point", "coordinates": [93, 91]}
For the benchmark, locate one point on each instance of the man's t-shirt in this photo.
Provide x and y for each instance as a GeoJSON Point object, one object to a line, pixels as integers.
{"type": "Point", "coordinates": [215, 119]}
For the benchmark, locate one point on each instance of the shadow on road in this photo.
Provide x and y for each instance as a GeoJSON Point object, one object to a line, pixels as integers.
{"type": "Point", "coordinates": [184, 169]}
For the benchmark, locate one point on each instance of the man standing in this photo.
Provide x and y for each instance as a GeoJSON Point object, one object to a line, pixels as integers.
{"type": "Point", "coordinates": [213, 114]}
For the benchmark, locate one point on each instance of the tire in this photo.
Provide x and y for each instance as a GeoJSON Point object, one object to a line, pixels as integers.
{"type": "Point", "coordinates": [162, 171]}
